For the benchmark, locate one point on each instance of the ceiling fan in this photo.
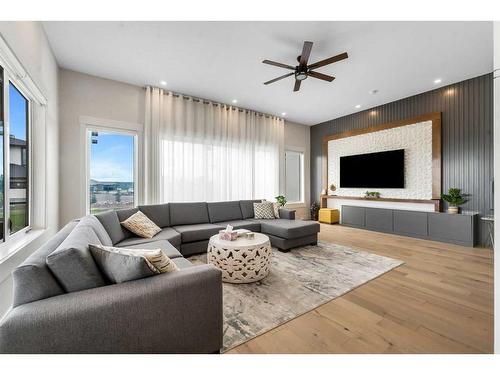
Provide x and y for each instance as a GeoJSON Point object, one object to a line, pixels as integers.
{"type": "Point", "coordinates": [302, 71]}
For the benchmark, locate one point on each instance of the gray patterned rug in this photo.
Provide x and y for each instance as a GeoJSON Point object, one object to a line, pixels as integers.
{"type": "Point", "coordinates": [299, 281]}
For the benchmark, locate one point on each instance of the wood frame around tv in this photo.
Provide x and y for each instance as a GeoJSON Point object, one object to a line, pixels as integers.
{"type": "Point", "coordinates": [435, 117]}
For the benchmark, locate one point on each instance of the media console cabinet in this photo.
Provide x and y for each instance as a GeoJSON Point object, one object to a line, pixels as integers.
{"type": "Point", "coordinates": [458, 229]}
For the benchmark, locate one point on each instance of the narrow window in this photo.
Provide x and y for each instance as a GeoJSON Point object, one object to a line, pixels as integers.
{"type": "Point", "coordinates": [18, 151]}
{"type": "Point", "coordinates": [112, 182]}
{"type": "Point", "coordinates": [294, 176]}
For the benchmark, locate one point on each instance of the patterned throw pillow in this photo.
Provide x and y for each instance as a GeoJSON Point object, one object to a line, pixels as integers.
{"type": "Point", "coordinates": [120, 265]}
{"type": "Point", "coordinates": [141, 225]}
{"type": "Point", "coordinates": [276, 209]}
{"type": "Point", "coordinates": [264, 210]}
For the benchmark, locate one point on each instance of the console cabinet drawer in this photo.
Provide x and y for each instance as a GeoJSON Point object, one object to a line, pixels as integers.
{"type": "Point", "coordinates": [451, 227]}
{"type": "Point", "coordinates": [379, 219]}
{"type": "Point", "coordinates": [352, 215]}
{"type": "Point", "coordinates": [411, 223]}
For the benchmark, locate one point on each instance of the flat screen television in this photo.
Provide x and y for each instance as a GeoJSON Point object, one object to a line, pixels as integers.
{"type": "Point", "coordinates": [375, 170]}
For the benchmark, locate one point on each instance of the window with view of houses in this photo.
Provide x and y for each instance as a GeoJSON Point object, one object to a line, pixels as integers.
{"type": "Point", "coordinates": [14, 158]}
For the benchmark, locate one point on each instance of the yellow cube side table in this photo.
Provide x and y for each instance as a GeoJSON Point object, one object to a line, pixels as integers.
{"type": "Point", "coordinates": [329, 215]}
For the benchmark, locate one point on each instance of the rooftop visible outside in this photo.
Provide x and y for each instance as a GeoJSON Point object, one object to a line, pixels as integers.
{"type": "Point", "coordinates": [111, 171]}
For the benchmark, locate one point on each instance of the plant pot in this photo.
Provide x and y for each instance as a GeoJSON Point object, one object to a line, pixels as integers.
{"type": "Point", "coordinates": [453, 210]}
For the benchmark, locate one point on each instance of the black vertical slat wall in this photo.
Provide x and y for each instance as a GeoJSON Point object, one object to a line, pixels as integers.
{"type": "Point", "coordinates": [467, 138]}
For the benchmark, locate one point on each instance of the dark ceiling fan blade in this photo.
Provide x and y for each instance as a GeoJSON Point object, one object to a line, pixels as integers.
{"type": "Point", "coordinates": [306, 51]}
{"type": "Point", "coordinates": [278, 64]}
{"type": "Point", "coordinates": [322, 76]}
{"type": "Point", "coordinates": [297, 85]}
{"type": "Point", "coordinates": [330, 60]}
{"type": "Point", "coordinates": [277, 79]}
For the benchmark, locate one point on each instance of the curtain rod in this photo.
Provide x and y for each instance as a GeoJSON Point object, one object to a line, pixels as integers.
{"type": "Point", "coordinates": [205, 101]}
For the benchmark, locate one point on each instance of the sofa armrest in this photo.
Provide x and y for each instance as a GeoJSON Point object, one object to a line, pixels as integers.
{"type": "Point", "coordinates": [287, 214]}
{"type": "Point", "coordinates": [178, 312]}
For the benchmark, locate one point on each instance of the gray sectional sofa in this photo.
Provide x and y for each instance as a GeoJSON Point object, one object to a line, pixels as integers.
{"type": "Point", "coordinates": [63, 304]}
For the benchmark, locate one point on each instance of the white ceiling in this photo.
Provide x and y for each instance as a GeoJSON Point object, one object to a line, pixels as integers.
{"type": "Point", "coordinates": [221, 61]}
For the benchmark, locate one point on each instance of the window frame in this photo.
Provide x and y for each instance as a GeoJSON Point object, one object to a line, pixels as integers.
{"type": "Point", "coordinates": [9, 238]}
{"type": "Point", "coordinates": [89, 124]}
{"type": "Point", "coordinates": [301, 153]}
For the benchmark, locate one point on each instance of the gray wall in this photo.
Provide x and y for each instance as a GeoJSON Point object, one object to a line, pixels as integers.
{"type": "Point", "coordinates": [467, 137]}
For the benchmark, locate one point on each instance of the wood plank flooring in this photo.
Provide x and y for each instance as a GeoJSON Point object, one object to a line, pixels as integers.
{"type": "Point", "coordinates": [439, 301]}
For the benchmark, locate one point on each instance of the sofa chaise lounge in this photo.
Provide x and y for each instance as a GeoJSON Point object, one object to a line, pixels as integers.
{"type": "Point", "coordinates": [178, 312]}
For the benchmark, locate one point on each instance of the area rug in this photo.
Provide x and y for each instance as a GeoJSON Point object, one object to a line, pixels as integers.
{"type": "Point", "coordinates": [299, 281]}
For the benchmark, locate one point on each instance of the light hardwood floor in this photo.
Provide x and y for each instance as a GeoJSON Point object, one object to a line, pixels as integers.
{"type": "Point", "coordinates": [439, 301]}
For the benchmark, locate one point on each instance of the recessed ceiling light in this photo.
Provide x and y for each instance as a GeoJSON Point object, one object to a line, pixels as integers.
{"type": "Point", "coordinates": [439, 80]}
{"type": "Point", "coordinates": [283, 113]}
{"type": "Point", "coordinates": [357, 106]}
{"type": "Point", "coordinates": [163, 83]}
{"type": "Point", "coordinates": [234, 101]}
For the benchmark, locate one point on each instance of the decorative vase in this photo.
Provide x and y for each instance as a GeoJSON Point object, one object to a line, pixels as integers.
{"type": "Point", "coordinates": [453, 210]}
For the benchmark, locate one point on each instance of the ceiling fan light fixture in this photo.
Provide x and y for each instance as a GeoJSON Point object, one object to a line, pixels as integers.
{"type": "Point", "coordinates": [300, 76]}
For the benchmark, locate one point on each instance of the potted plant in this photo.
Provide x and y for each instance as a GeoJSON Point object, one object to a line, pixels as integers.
{"type": "Point", "coordinates": [455, 199]}
{"type": "Point", "coordinates": [281, 200]}
{"type": "Point", "coordinates": [372, 194]}
{"type": "Point", "coordinates": [314, 211]}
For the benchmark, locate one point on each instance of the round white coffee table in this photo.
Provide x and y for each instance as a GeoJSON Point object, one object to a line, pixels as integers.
{"type": "Point", "coordinates": [241, 261]}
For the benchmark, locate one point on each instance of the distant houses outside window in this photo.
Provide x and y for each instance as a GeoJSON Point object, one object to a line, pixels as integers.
{"type": "Point", "coordinates": [111, 170]}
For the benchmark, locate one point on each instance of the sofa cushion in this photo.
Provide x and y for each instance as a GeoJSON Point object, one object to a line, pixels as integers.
{"type": "Point", "coordinates": [111, 223]}
{"type": "Point", "coordinates": [33, 279]}
{"type": "Point", "coordinates": [241, 224]}
{"type": "Point", "coordinates": [197, 232]}
{"type": "Point", "coordinates": [120, 264]}
{"type": "Point", "coordinates": [188, 213]}
{"type": "Point", "coordinates": [166, 246]}
{"type": "Point", "coordinates": [158, 213]}
{"type": "Point", "coordinates": [191, 248]}
{"type": "Point", "coordinates": [125, 213]}
{"type": "Point", "coordinates": [72, 263]}
{"type": "Point", "coordinates": [224, 211]}
{"type": "Point", "coordinates": [98, 228]}
{"type": "Point", "coordinates": [247, 208]}
{"type": "Point", "coordinates": [141, 225]}
{"type": "Point", "coordinates": [168, 234]}
{"type": "Point", "coordinates": [288, 228]}
{"type": "Point", "coordinates": [182, 263]}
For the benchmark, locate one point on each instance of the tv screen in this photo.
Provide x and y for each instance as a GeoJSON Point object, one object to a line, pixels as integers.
{"type": "Point", "coordinates": [375, 170]}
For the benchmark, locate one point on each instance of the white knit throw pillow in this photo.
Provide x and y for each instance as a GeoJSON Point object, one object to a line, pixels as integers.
{"type": "Point", "coordinates": [264, 210]}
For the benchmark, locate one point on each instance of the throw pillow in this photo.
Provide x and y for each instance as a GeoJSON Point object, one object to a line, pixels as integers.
{"type": "Point", "coordinates": [141, 225]}
{"type": "Point", "coordinates": [120, 265]}
{"type": "Point", "coordinates": [276, 210]}
{"type": "Point", "coordinates": [264, 210]}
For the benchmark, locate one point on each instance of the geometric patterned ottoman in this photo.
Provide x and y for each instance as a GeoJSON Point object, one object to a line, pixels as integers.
{"type": "Point", "coordinates": [241, 261]}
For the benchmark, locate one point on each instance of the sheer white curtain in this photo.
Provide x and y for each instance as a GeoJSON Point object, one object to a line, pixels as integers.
{"type": "Point", "coordinates": [202, 151]}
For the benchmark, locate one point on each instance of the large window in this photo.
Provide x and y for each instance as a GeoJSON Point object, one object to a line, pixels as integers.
{"type": "Point", "coordinates": [294, 176]}
{"type": "Point", "coordinates": [111, 170]}
{"type": "Point", "coordinates": [14, 159]}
